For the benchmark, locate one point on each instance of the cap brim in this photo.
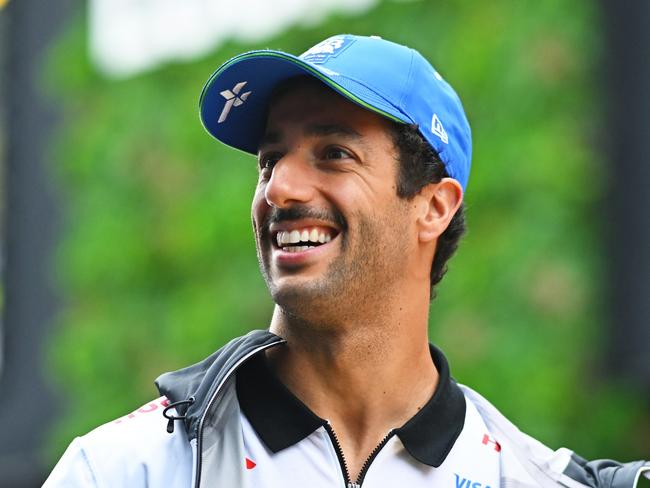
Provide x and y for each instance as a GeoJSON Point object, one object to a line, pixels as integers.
{"type": "Point", "coordinates": [244, 123]}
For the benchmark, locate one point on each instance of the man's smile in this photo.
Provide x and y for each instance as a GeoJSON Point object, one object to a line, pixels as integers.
{"type": "Point", "coordinates": [302, 239]}
{"type": "Point", "coordinates": [296, 242]}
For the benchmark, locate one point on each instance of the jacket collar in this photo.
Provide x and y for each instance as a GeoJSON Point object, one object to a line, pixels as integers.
{"type": "Point", "coordinates": [282, 420]}
{"type": "Point", "coordinates": [203, 381]}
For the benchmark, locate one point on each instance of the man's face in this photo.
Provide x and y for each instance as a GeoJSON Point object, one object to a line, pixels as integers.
{"type": "Point", "coordinates": [331, 233]}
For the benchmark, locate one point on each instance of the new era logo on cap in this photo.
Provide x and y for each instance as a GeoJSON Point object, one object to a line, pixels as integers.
{"type": "Point", "coordinates": [438, 129]}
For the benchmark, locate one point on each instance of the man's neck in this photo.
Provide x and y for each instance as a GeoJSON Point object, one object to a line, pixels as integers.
{"type": "Point", "coordinates": [366, 379]}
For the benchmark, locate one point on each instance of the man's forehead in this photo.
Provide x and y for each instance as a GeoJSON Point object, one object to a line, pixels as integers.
{"type": "Point", "coordinates": [275, 133]}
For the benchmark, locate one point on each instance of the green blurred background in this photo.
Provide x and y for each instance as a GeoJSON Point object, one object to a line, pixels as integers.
{"type": "Point", "coordinates": [156, 263]}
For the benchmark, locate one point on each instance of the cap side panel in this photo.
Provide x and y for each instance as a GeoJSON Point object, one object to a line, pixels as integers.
{"type": "Point", "coordinates": [407, 84]}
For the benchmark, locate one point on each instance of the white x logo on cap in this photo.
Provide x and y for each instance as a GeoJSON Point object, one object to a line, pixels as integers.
{"type": "Point", "coordinates": [233, 98]}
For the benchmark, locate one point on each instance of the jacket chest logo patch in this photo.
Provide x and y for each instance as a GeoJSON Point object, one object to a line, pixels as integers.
{"type": "Point", "coordinates": [468, 483]}
{"type": "Point", "coordinates": [250, 464]}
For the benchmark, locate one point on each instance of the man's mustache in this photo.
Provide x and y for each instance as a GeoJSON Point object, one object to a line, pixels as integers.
{"type": "Point", "coordinates": [277, 215]}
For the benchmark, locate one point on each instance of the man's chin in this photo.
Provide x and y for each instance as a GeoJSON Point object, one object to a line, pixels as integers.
{"type": "Point", "coordinates": [290, 294]}
{"type": "Point", "coordinates": [303, 300]}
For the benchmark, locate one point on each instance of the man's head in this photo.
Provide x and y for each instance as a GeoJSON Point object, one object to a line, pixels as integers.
{"type": "Point", "coordinates": [335, 172]}
{"type": "Point", "coordinates": [356, 152]}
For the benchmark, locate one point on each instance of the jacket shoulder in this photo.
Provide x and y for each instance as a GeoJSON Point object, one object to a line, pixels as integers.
{"type": "Point", "coordinates": [134, 450]}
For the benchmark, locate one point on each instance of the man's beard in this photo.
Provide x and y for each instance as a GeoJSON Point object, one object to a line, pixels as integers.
{"type": "Point", "coordinates": [355, 279]}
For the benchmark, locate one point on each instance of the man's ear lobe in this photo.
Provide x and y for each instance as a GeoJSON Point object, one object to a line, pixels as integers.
{"type": "Point", "coordinates": [439, 203]}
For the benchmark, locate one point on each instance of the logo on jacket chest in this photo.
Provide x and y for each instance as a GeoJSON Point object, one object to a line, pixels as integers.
{"type": "Point", "coordinates": [462, 482]}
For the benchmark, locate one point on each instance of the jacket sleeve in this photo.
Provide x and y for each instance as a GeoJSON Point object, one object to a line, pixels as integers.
{"type": "Point", "coordinates": [606, 473]}
{"type": "Point", "coordinates": [527, 462]}
{"type": "Point", "coordinates": [73, 469]}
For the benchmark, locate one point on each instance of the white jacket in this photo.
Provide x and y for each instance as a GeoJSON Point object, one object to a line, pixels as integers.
{"type": "Point", "coordinates": [138, 451]}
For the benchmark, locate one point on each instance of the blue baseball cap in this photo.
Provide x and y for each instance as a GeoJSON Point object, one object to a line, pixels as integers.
{"type": "Point", "coordinates": [387, 78]}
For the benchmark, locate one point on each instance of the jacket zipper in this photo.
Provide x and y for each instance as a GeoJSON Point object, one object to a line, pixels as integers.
{"type": "Point", "coordinates": [344, 465]}
{"type": "Point", "coordinates": [199, 434]}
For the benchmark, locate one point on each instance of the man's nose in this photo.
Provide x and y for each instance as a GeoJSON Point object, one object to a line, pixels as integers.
{"type": "Point", "coordinates": [291, 182]}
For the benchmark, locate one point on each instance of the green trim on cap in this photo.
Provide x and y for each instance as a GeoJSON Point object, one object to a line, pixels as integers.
{"type": "Point", "coordinates": [307, 67]}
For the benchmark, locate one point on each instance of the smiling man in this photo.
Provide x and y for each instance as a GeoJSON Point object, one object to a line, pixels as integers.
{"type": "Point", "coordinates": [364, 153]}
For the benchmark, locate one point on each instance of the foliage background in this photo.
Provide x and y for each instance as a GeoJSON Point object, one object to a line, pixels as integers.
{"type": "Point", "coordinates": [158, 267]}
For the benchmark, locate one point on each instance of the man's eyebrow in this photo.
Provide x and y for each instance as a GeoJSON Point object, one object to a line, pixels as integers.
{"type": "Point", "coordinates": [275, 137]}
{"type": "Point", "coordinates": [332, 129]}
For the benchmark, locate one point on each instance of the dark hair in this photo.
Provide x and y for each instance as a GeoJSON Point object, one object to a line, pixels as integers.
{"type": "Point", "coordinates": [419, 165]}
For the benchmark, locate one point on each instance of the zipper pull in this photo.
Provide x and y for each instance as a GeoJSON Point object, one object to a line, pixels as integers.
{"type": "Point", "coordinates": [171, 418]}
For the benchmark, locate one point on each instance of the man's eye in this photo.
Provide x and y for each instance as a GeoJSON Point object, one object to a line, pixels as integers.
{"type": "Point", "coordinates": [336, 153]}
{"type": "Point", "coordinates": [269, 160]}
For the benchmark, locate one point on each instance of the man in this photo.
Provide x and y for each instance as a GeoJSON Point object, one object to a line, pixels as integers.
{"type": "Point", "coordinates": [364, 154]}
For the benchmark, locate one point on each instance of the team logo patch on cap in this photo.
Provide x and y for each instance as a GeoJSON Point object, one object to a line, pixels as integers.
{"type": "Point", "coordinates": [233, 99]}
{"type": "Point", "coordinates": [327, 49]}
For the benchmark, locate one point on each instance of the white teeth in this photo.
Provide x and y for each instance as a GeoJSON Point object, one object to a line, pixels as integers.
{"type": "Point", "coordinates": [284, 237]}
{"type": "Point", "coordinates": [297, 248]}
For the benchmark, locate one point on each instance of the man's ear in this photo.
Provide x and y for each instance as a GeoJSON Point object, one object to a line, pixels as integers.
{"type": "Point", "coordinates": [436, 205]}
